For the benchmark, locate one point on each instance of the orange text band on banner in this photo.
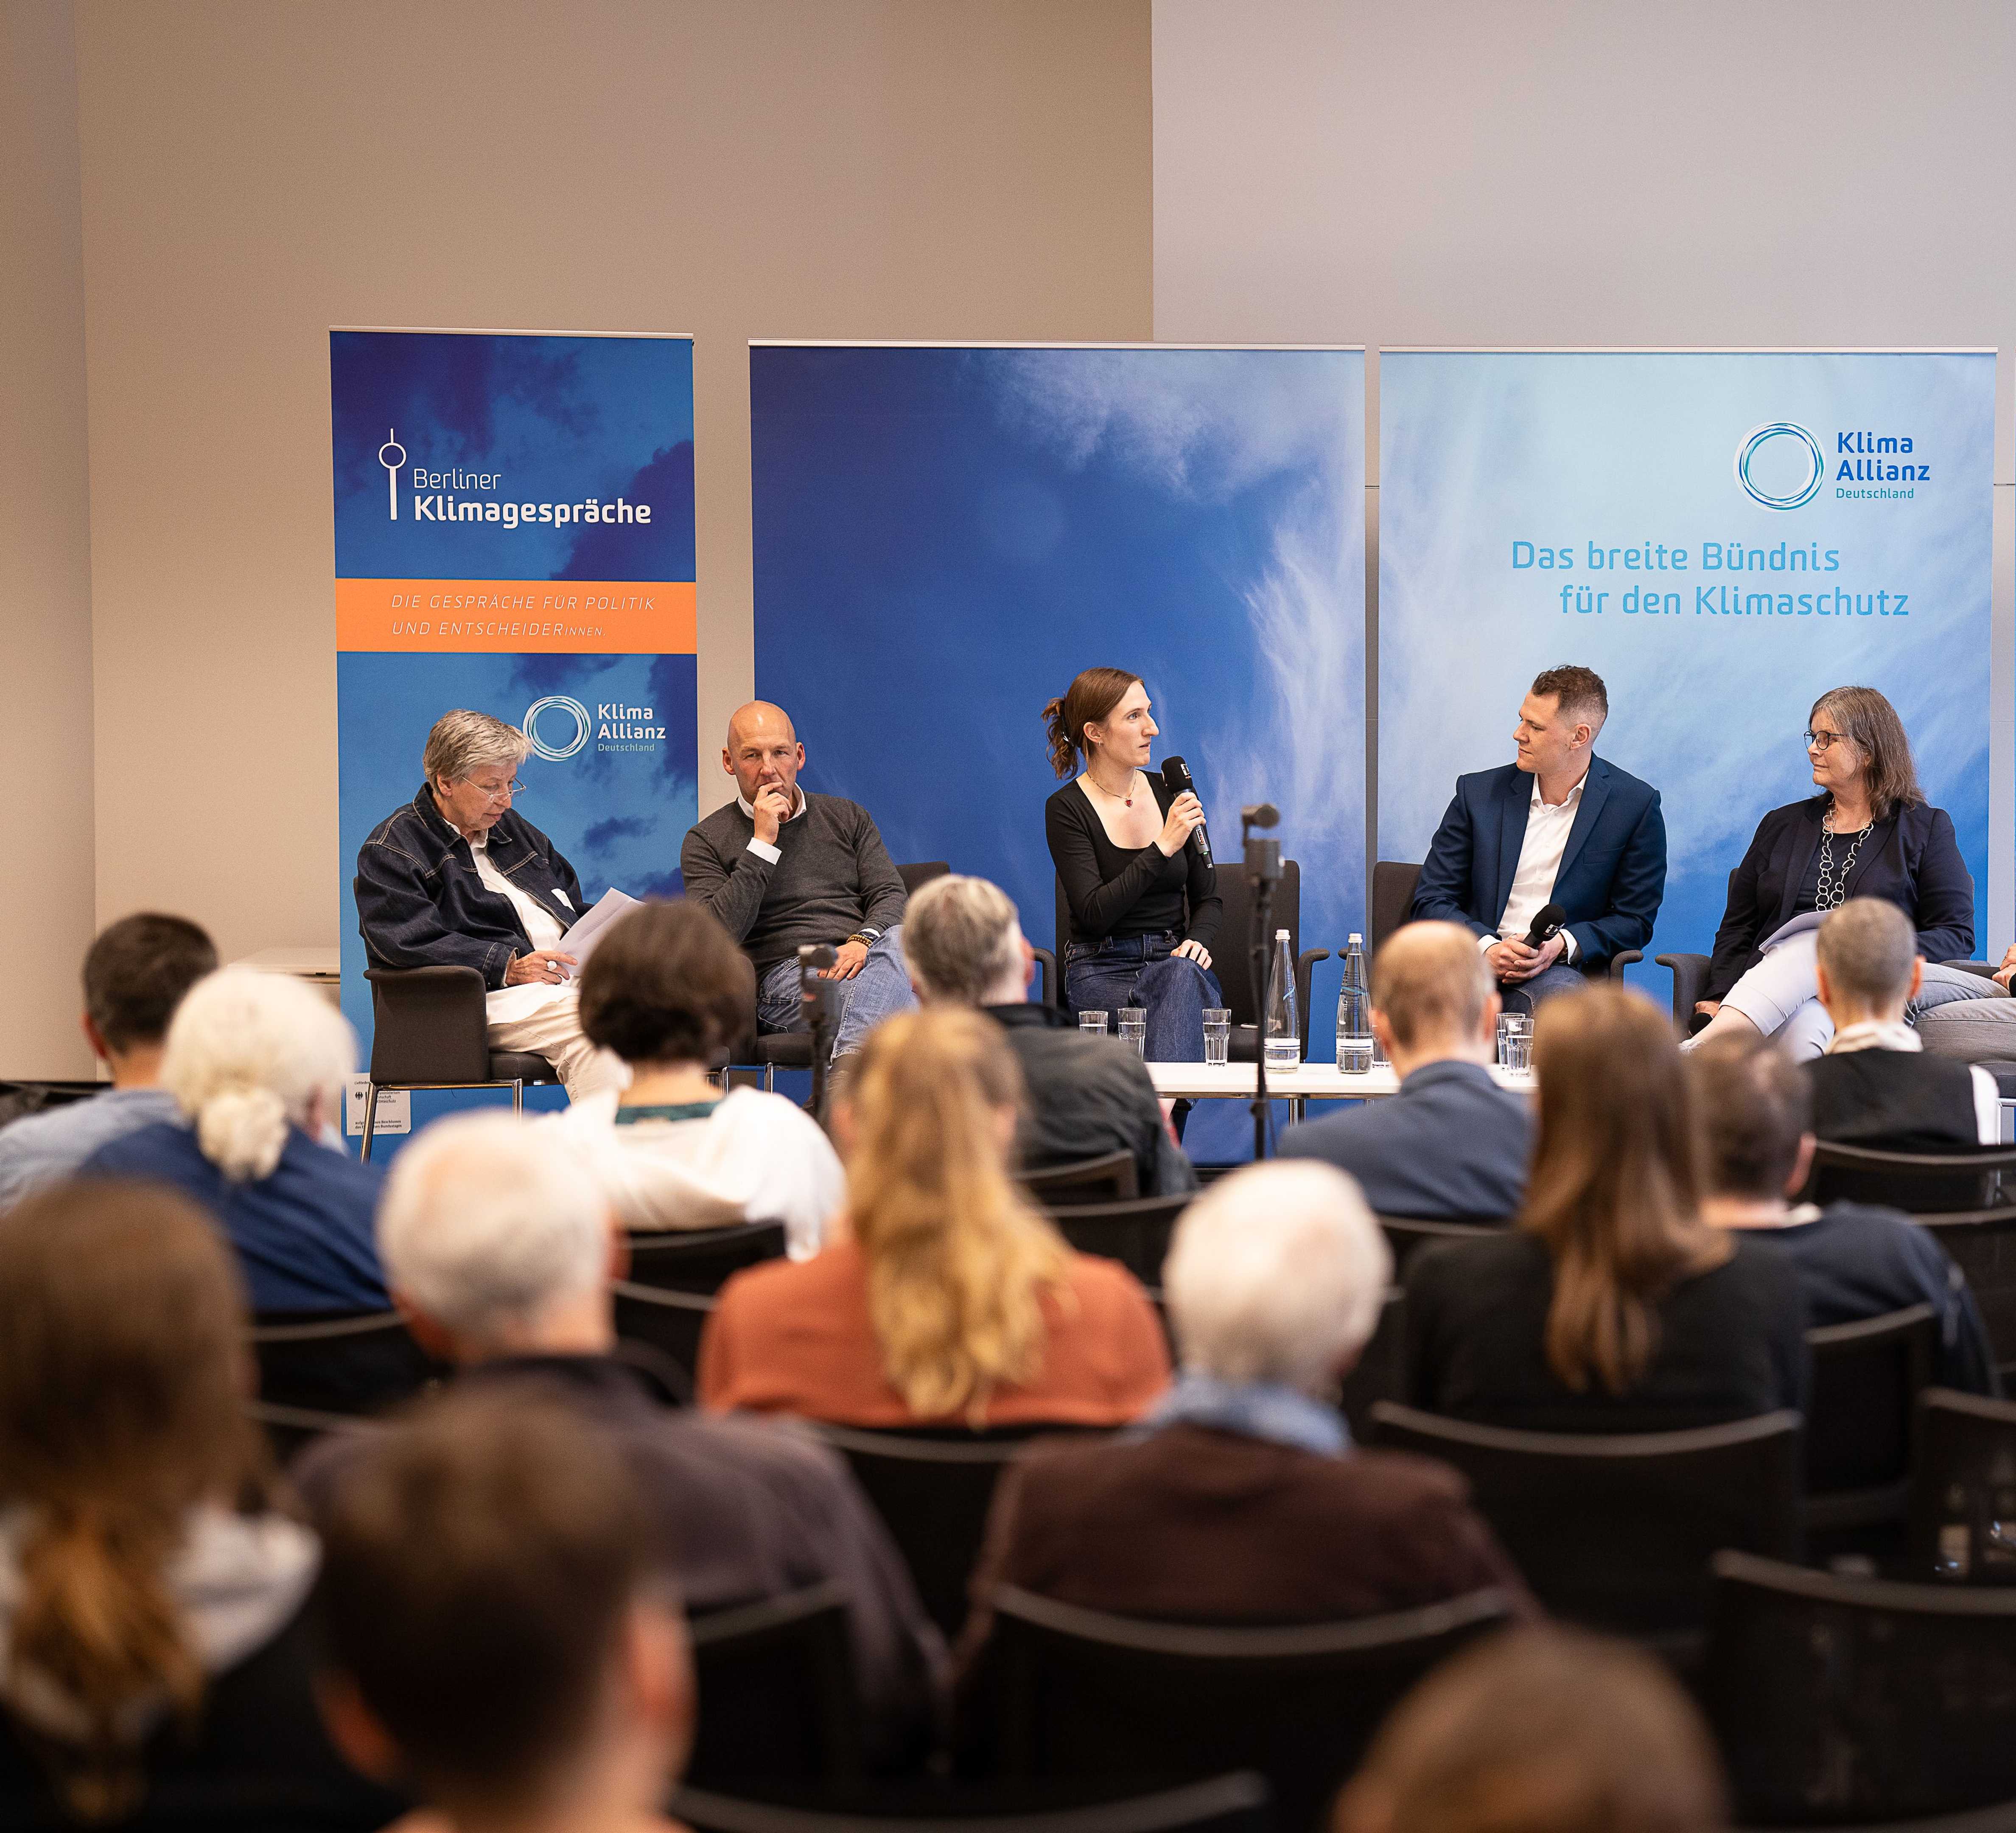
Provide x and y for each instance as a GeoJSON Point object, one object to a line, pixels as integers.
{"type": "Point", "coordinates": [570, 617]}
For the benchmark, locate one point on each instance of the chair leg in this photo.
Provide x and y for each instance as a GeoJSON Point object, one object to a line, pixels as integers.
{"type": "Point", "coordinates": [370, 1117]}
{"type": "Point", "coordinates": [518, 1095]}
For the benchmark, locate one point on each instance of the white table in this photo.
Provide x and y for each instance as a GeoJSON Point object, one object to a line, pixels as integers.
{"type": "Point", "coordinates": [1311, 1082]}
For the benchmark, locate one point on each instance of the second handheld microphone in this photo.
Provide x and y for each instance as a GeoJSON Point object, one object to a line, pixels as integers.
{"type": "Point", "coordinates": [1176, 778]}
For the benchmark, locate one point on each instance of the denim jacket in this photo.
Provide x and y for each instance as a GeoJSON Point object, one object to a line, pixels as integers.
{"type": "Point", "coordinates": [421, 904]}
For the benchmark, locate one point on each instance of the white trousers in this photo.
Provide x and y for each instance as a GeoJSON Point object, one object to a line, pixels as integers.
{"type": "Point", "coordinates": [551, 1027]}
{"type": "Point", "coordinates": [1780, 996]}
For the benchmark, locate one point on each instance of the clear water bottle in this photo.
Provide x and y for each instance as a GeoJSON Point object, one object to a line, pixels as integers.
{"type": "Point", "coordinates": [1284, 1028]}
{"type": "Point", "coordinates": [1354, 1012]}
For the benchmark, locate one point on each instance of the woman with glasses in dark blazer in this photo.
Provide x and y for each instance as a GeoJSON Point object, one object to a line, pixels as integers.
{"type": "Point", "coordinates": [1869, 832]}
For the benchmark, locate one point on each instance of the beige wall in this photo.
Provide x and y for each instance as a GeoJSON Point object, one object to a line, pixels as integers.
{"type": "Point", "coordinates": [253, 173]}
{"type": "Point", "coordinates": [45, 776]}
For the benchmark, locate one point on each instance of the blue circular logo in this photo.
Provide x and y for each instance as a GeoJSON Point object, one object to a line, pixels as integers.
{"type": "Point", "coordinates": [557, 706]}
{"type": "Point", "coordinates": [1760, 456]}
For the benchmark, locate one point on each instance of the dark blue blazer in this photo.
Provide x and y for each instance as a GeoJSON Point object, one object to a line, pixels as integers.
{"type": "Point", "coordinates": [1451, 1146]}
{"type": "Point", "coordinates": [1912, 859]}
{"type": "Point", "coordinates": [1613, 870]}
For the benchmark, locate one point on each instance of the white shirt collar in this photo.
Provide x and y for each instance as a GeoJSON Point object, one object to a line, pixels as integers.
{"type": "Point", "coordinates": [1571, 800]}
{"type": "Point", "coordinates": [1875, 1034]}
{"type": "Point", "coordinates": [797, 790]}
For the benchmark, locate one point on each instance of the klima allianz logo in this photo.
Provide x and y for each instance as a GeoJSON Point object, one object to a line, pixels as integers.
{"type": "Point", "coordinates": [1782, 465]}
{"type": "Point", "coordinates": [443, 496]}
{"type": "Point", "coordinates": [558, 726]}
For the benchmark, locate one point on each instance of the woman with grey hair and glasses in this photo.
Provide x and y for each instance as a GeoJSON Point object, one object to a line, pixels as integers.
{"type": "Point", "coordinates": [457, 877]}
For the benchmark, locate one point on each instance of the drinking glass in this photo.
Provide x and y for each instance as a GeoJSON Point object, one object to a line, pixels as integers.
{"type": "Point", "coordinates": [1218, 1034]}
{"type": "Point", "coordinates": [1519, 1050]}
{"type": "Point", "coordinates": [1092, 1024]}
{"type": "Point", "coordinates": [1134, 1027]}
{"type": "Point", "coordinates": [1511, 1024]}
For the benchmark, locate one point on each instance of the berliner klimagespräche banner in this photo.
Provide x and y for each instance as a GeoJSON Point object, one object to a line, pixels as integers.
{"type": "Point", "coordinates": [514, 533]}
{"type": "Point", "coordinates": [1723, 535]}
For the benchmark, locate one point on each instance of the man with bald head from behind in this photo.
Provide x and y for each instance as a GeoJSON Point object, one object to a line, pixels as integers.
{"type": "Point", "coordinates": [782, 868]}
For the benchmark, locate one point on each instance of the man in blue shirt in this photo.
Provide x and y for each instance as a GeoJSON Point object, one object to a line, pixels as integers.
{"type": "Point", "coordinates": [1452, 1145]}
{"type": "Point", "coordinates": [1754, 1106]}
{"type": "Point", "coordinates": [135, 976]}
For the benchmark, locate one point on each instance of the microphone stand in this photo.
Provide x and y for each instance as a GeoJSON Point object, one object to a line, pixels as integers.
{"type": "Point", "coordinates": [816, 997]}
{"type": "Point", "coordinates": [1263, 871]}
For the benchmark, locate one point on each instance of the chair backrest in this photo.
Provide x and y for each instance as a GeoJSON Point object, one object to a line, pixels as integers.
{"type": "Point", "coordinates": [701, 1260]}
{"type": "Point", "coordinates": [428, 1025]}
{"type": "Point", "coordinates": [1379, 1372]}
{"type": "Point", "coordinates": [344, 1363]}
{"type": "Point", "coordinates": [290, 1430]}
{"type": "Point", "coordinates": [1237, 1803]}
{"type": "Point", "coordinates": [1407, 1235]}
{"type": "Point", "coordinates": [1082, 1693]}
{"type": "Point", "coordinates": [1134, 1231]}
{"type": "Point", "coordinates": [1615, 1530]}
{"type": "Point", "coordinates": [1922, 1183]}
{"type": "Point", "coordinates": [1112, 1177]}
{"type": "Point", "coordinates": [932, 1491]}
{"type": "Point", "coordinates": [1981, 1243]}
{"type": "Point", "coordinates": [668, 1322]}
{"type": "Point", "coordinates": [1962, 1506]}
{"type": "Point", "coordinates": [921, 872]}
{"type": "Point", "coordinates": [1866, 1379]}
{"type": "Point", "coordinates": [777, 1696]}
{"type": "Point", "coordinates": [1393, 882]}
{"type": "Point", "coordinates": [1848, 1700]}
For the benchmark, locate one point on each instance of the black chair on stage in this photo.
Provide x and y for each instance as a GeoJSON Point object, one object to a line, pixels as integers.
{"type": "Point", "coordinates": [1226, 1804]}
{"type": "Point", "coordinates": [1379, 1372]}
{"type": "Point", "coordinates": [1613, 1530]}
{"type": "Point", "coordinates": [1085, 1694]}
{"type": "Point", "coordinates": [1231, 954]}
{"type": "Point", "coordinates": [932, 1489]}
{"type": "Point", "coordinates": [702, 1259]}
{"type": "Point", "coordinates": [1407, 1235]}
{"type": "Point", "coordinates": [667, 1323]}
{"type": "Point", "coordinates": [1112, 1177]}
{"type": "Point", "coordinates": [1134, 1231]}
{"type": "Point", "coordinates": [338, 1362]}
{"type": "Point", "coordinates": [793, 1049]}
{"type": "Point", "coordinates": [778, 1704]}
{"type": "Point", "coordinates": [429, 1030]}
{"type": "Point", "coordinates": [1855, 1700]}
{"type": "Point", "coordinates": [1393, 885]}
{"type": "Point", "coordinates": [1962, 1501]}
{"type": "Point", "coordinates": [1867, 1376]}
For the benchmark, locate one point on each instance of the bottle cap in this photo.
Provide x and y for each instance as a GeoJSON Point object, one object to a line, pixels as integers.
{"type": "Point", "coordinates": [1355, 938]}
{"type": "Point", "coordinates": [1280, 935]}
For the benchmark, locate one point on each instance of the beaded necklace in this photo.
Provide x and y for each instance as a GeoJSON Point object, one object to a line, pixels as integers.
{"type": "Point", "coordinates": [1831, 891]}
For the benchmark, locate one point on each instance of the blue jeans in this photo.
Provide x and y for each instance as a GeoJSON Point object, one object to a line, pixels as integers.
{"type": "Point", "coordinates": [879, 991]}
{"type": "Point", "coordinates": [1525, 996]}
{"type": "Point", "coordinates": [1144, 970]}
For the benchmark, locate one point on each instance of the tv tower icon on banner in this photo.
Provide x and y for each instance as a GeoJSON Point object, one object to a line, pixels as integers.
{"type": "Point", "coordinates": [391, 471]}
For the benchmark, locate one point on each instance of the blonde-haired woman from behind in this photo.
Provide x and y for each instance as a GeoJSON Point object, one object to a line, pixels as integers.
{"type": "Point", "coordinates": [255, 1062]}
{"type": "Point", "coordinates": [945, 1298]}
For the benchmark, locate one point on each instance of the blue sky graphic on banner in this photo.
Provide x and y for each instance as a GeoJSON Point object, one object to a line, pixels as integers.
{"type": "Point", "coordinates": [514, 533]}
{"type": "Point", "coordinates": [1723, 536]}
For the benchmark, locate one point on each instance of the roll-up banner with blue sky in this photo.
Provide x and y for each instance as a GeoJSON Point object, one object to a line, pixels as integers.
{"type": "Point", "coordinates": [514, 533]}
{"type": "Point", "coordinates": [1723, 535]}
{"type": "Point", "coordinates": [945, 535]}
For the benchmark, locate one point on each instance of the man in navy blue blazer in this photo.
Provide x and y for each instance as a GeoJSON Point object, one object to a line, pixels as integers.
{"type": "Point", "coordinates": [1452, 1145]}
{"type": "Point", "coordinates": [1558, 826]}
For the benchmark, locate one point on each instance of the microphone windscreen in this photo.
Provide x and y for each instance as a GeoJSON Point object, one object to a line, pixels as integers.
{"type": "Point", "coordinates": [1176, 776]}
{"type": "Point", "coordinates": [1546, 921]}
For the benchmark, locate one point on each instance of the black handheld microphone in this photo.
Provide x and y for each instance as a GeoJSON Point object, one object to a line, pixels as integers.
{"type": "Point", "coordinates": [1176, 778]}
{"type": "Point", "coordinates": [1546, 926]}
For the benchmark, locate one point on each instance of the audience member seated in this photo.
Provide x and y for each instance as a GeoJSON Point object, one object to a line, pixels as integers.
{"type": "Point", "coordinates": [1855, 1261]}
{"type": "Point", "coordinates": [459, 878]}
{"type": "Point", "coordinates": [134, 975]}
{"type": "Point", "coordinates": [1241, 1498]}
{"type": "Point", "coordinates": [153, 1585]}
{"type": "Point", "coordinates": [1085, 1096]}
{"type": "Point", "coordinates": [499, 1257]}
{"type": "Point", "coordinates": [1876, 1086]}
{"type": "Point", "coordinates": [782, 868]}
{"type": "Point", "coordinates": [501, 1636]}
{"type": "Point", "coordinates": [1541, 1731]}
{"type": "Point", "coordinates": [944, 1298]}
{"type": "Point", "coordinates": [1452, 1144]}
{"type": "Point", "coordinates": [1613, 1306]}
{"type": "Point", "coordinates": [255, 1062]}
{"type": "Point", "coordinates": [665, 991]}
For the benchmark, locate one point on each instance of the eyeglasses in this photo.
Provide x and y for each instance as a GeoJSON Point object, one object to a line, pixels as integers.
{"type": "Point", "coordinates": [1820, 741]}
{"type": "Point", "coordinates": [502, 794]}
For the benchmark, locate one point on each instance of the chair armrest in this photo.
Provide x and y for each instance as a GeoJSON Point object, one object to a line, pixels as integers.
{"type": "Point", "coordinates": [1621, 960]}
{"type": "Point", "coordinates": [1053, 984]}
{"type": "Point", "coordinates": [1690, 978]}
{"type": "Point", "coordinates": [1986, 969]}
{"type": "Point", "coordinates": [1306, 964]}
{"type": "Point", "coordinates": [428, 1025]}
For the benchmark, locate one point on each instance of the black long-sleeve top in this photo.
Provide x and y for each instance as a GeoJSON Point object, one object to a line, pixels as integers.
{"type": "Point", "coordinates": [1125, 891]}
{"type": "Point", "coordinates": [1912, 858]}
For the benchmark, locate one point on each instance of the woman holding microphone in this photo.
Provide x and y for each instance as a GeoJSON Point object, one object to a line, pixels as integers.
{"type": "Point", "coordinates": [1144, 906]}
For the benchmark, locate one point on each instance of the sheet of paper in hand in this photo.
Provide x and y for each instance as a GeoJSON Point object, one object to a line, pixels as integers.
{"type": "Point", "coordinates": [580, 940]}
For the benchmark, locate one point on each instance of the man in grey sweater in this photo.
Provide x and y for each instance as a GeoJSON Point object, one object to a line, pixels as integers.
{"type": "Point", "coordinates": [782, 868]}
